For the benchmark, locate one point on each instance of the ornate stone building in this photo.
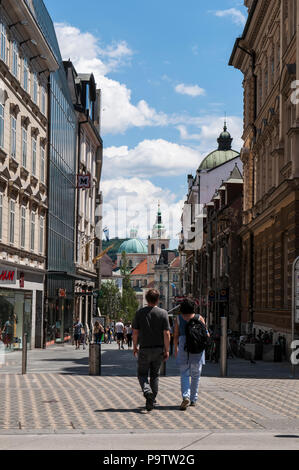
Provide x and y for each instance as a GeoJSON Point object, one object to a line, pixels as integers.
{"type": "Point", "coordinates": [25, 62]}
{"type": "Point", "coordinates": [267, 54]}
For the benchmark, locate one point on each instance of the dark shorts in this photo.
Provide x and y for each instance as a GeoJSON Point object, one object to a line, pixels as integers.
{"type": "Point", "coordinates": [120, 336]}
{"type": "Point", "coordinates": [77, 337]}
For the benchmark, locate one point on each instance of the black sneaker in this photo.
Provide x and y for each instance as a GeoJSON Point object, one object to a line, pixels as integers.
{"type": "Point", "coordinates": [193, 403]}
{"type": "Point", "coordinates": [149, 401]}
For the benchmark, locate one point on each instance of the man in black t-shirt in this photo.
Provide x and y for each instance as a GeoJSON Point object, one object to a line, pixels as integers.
{"type": "Point", "coordinates": [152, 332]}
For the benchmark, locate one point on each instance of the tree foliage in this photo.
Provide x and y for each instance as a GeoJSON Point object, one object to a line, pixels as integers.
{"type": "Point", "coordinates": [109, 300]}
{"type": "Point", "coordinates": [129, 303]}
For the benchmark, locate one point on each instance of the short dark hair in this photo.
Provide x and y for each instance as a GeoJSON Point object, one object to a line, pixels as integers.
{"type": "Point", "coordinates": [187, 306]}
{"type": "Point", "coordinates": [152, 296]}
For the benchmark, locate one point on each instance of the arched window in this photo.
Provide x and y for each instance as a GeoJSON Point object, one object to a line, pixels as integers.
{"type": "Point", "coordinates": [153, 249]}
{"type": "Point", "coordinates": [130, 263]}
{"type": "Point", "coordinates": [163, 247]}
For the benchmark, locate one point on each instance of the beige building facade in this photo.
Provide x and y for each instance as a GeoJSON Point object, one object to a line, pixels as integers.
{"type": "Point", "coordinates": [267, 54]}
{"type": "Point", "coordinates": [25, 62]}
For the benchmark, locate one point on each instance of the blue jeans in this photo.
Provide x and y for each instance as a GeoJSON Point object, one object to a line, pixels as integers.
{"type": "Point", "coordinates": [193, 372]}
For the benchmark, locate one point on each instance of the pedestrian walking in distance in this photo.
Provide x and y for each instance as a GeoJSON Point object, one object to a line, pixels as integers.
{"type": "Point", "coordinates": [190, 364]}
{"type": "Point", "coordinates": [97, 332]}
{"type": "Point", "coordinates": [129, 335]}
{"type": "Point", "coordinates": [119, 330]}
{"type": "Point", "coordinates": [151, 332]}
{"type": "Point", "coordinates": [77, 333]}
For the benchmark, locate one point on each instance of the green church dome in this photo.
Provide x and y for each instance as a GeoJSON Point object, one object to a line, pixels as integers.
{"type": "Point", "coordinates": [223, 154]}
{"type": "Point", "coordinates": [217, 158]}
{"type": "Point", "coordinates": [134, 245]}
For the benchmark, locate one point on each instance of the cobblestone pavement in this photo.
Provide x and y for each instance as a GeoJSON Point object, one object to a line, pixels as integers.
{"type": "Point", "coordinates": [57, 395]}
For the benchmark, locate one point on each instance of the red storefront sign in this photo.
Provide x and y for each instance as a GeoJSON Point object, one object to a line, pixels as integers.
{"type": "Point", "coordinates": [8, 275]}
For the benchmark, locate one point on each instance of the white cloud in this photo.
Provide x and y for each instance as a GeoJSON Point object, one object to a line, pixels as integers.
{"type": "Point", "coordinates": [236, 15]}
{"type": "Point", "coordinates": [190, 90]}
{"type": "Point", "coordinates": [185, 135]}
{"type": "Point", "coordinates": [119, 113]}
{"type": "Point", "coordinates": [160, 157]}
{"type": "Point", "coordinates": [151, 158]}
{"type": "Point", "coordinates": [132, 202]}
{"type": "Point", "coordinates": [208, 129]}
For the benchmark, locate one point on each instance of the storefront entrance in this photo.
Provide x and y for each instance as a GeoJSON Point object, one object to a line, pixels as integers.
{"type": "Point", "coordinates": [60, 320]}
{"type": "Point", "coordinates": [15, 317]}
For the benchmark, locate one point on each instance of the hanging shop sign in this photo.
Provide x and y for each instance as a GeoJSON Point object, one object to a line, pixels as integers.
{"type": "Point", "coordinates": [223, 295]}
{"type": "Point", "coordinates": [61, 293]}
{"type": "Point", "coordinates": [212, 295]}
{"type": "Point", "coordinates": [83, 181]}
{"type": "Point", "coordinates": [22, 280]}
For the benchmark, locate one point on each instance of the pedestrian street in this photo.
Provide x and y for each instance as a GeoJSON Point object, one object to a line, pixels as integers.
{"type": "Point", "coordinates": [57, 395]}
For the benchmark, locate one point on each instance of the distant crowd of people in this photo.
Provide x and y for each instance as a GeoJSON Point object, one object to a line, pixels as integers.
{"type": "Point", "coordinates": [121, 333]}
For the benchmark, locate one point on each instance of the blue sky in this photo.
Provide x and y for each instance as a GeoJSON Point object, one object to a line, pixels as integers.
{"type": "Point", "coordinates": [163, 70]}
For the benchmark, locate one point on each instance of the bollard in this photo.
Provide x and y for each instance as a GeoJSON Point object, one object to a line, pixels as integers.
{"type": "Point", "coordinates": [24, 354]}
{"type": "Point", "coordinates": [163, 369]}
{"type": "Point", "coordinates": [223, 347]}
{"type": "Point", "coordinates": [94, 359]}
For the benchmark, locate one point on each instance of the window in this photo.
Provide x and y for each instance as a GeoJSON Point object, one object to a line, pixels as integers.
{"type": "Point", "coordinates": [41, 234]}
{"type": "Point", "coordinates": [266, 84]}
{"type": "Point", "coordinates": [42, 164]}
{"type": "Point", "coordinates": [25, 74]}
{"type": "Point", "coordinates": [260, 93]}
{"type": "Point", "coordinates": [43, 100]}
{"type": "Point", "coordinates": [35, 88]}
{"type": "Point", "coordinates": [33, 156]}
{"type": "Point", "coordinates": [13, 136]}
{"type": "Point", "coordinates": [23, 226]}
{"type": "Point", "coordinates": [32, 231]}
{"type": "Point", "coordinates": [3, 42]}
{"type": "Point", "coordinates": [285, 269]}
{"type": "Point", "coordinates": [15, 57]}
{"type": "Point", "coordinates": [1, 126]}
{"type": "Point", "coordinates": [24, 147]}
{"type": "Point", "coordinates": [1, 211]}
{"type": "Point", "coordinates": [87, 155]}
{"type": "Point", "coordinates": [272, 68]}
{"type": "Point", "coordinates": [12, 206]}
{"type": "Point", "coordinates": [91, 209]}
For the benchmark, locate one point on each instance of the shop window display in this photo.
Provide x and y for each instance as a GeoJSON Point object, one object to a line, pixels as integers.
{"type": "Point", "coordinates": [15, 317]}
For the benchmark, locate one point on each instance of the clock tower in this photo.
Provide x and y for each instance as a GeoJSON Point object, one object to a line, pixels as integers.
{"type": "Point", "coordinates": [157, 242]}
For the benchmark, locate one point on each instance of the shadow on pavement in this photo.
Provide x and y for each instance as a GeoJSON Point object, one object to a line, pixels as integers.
{"type": "Point", "coordinates": [122, 363]}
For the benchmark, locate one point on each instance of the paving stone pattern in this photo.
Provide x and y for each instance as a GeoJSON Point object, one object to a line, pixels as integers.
{"type": "Point", "coordinates": [62, 399]}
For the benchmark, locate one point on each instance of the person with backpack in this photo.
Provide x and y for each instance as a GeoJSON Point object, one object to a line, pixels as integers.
{"type": "Point", "coordinates": [190, 341]}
